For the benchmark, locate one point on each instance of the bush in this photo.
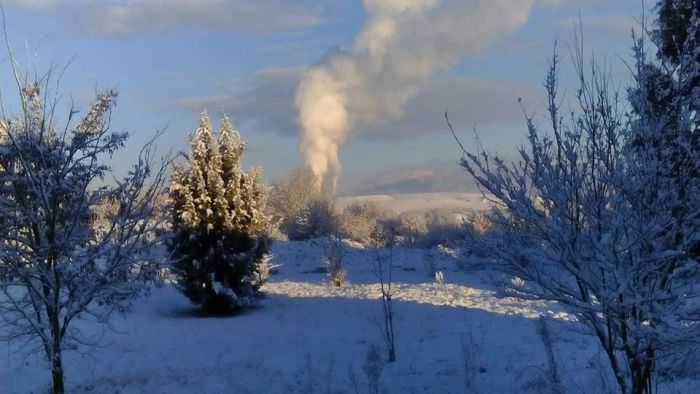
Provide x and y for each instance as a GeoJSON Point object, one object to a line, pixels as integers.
{"type": "Point", "coordinates": [219, 244]}
{"type": "Point", "coordinates": [411, 227]}
{"type": "Point", "coordinates": [317, 219]}
{"type": "Point", "coordinates": [429, 229]}
{"type": "Point", "coordinates": [300, 210]}
{"type": "Point", "coordinates": [291, 195]}
{"type": "Point", "coordinates": [359, 222]}
{"type": "Point", "coordinates": [478, 222]}
{"type": "Point", "coordinates": [443, 228]}
{"type": "Point", "coordinates": [333, 258]}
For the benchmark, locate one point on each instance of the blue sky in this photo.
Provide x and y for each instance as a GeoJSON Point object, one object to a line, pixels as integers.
{"type": "Point", "coordinates": [171, 59]}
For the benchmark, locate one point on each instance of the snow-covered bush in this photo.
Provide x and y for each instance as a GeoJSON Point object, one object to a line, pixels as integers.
{"type": "Point", "coordinates": [262, 270]}
{"type": "Point", "coordinates": [601, 214]}
{"type": "Point", "coordinates": [383, 270]}
{"type": "Point", "coordinates": [359, 222]}
{"type": "Point", "coordinates": [300, 210]}
{"type": "Point", "coordinates": [479, 231]}
{"type": "Point", "coordinates": [289, 197]}
{"type": "Point", "coordinates": [442, 228]}
{"type": "Point", "coordinates": [411, 227]}
{"type": "Point", "coordinates": [319, 218]}
{"type": "Point", "coordinates": [72, 245]}
{"type": "Point", "coordinates": [219, 229]}
{"type": "Point", "coordinates": [333, 259]}
{"type": "Point", "coordinates": [428, 229]}
{"type": "Point", "coordinates": [478, 222]}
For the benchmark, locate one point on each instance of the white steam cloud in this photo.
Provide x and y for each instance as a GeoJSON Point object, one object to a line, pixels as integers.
{"type": "Point", "coordinates": [403, 44]}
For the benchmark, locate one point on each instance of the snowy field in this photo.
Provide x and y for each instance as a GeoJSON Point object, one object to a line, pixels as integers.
{"type": "Point", "coordinates": [310, 337]}
{"type": "Point", "coordinates": [412, 202]}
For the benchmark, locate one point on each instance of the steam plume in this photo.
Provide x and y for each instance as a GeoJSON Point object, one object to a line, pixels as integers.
{"type": "Point", "coordinates": [403, 44]}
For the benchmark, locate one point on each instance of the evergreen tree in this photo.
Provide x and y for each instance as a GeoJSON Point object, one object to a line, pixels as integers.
{"type": "Point", "coordinates": [665, 125]}
{"type": "Point", "coordinates": [673, 28]}
{"type": "Point", "coordinates": [219, 245]}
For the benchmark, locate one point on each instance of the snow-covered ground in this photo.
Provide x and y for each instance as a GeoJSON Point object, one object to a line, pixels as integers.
{"type": "Point", "coordinates": [310, 337]}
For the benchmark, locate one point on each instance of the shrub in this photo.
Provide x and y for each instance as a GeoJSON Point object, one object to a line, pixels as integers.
{"type": "Point", "coordinates": [429, 229]}
{"type": "Point", "coordinates": [443, 227]}
{"type": "Point", "coordinates": [299, 210]}
{"type": "Point", "coordinates": [333, 257]}
{"type": "Point", "coordinates": [317, 219]}
{"type": "Point", "coordinates": [411, 227]}
{"type": "Point", "coordinates": [358, 222]}
{"type": "Point", "coordinates": [478, 222]}
{"type": "Point", "coordinates": [292, 195]}
{"type": "Point", "coordinates": [219, 243]}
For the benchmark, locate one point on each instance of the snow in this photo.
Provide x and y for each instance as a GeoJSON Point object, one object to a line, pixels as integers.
{"type": "Point", "coordinates": [412, 202]}
{"type": "Point", "coordinates": [308, 336]}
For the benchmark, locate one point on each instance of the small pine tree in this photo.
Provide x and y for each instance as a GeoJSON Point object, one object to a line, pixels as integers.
{"type": "Point", "coordinates": [219, 244]}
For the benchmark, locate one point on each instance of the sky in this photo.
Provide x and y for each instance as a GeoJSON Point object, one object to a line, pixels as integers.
{"type": "Point", "coordinates": [387, 70]}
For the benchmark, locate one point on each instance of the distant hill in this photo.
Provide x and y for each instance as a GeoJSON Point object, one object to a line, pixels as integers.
{"type": "Point", "coordinates": [418, 202]}
{"type": "Point", "coordinates": [439, 176]}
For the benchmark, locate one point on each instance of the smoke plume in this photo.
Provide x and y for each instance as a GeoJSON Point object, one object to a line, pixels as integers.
{"type": "Point", "coordinates": [402, 44]}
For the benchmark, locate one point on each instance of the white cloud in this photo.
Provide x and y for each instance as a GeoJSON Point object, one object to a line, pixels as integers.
{"type": "Point", "coordinates": [267, 104]}
{"type": "Point", "coordinates": [122, 17]}
{"type": "Point", "coordinates": [475, 101]}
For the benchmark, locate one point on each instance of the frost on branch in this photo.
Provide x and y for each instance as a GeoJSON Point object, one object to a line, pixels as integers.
{"type": "Point", "coordinates": [65, 257]}
{"type": "Point", "coordinates": [602, 215]}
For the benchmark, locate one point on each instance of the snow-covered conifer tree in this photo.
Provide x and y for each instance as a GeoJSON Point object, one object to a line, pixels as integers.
{"type": "Point", "coordinates": [666, 118]}
{"type": "Point", "coordinates": [220, 244]}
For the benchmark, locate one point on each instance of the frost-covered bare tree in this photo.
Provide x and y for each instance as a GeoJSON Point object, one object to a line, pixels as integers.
{"type": "Point", "coordinates": [300, 209]}
{"type": "Point", "coordinates": [292, 194]}
{"type": "Point", "coordinates": [594, 209]}
{"type": "Point", "coordinates": [384, 243]}
{"type": "Point", "coordinates": [61, 261]}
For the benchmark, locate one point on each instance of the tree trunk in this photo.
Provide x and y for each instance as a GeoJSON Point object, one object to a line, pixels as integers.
{"type": "Point", "coordinates": [55, 356]}
{"type": "Point", "coordinates": [57, 373]}
{"type": "Point", "coordinates": [641, 377]}
{"type": "Point", "coordinates": [619, 377]}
